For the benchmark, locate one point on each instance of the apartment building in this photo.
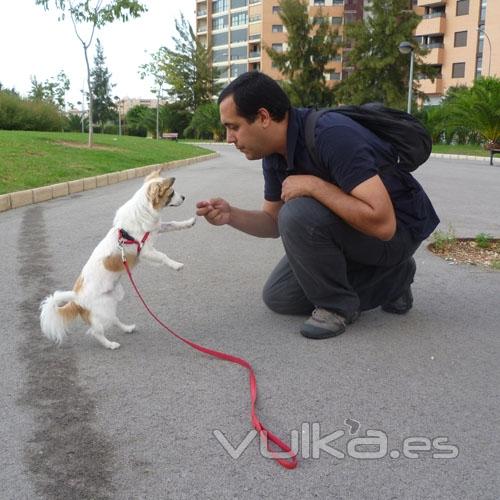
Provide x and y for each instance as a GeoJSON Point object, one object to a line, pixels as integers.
{"type": "Point", "coordinates": [464, 41]}
{"type": "Point", "coordinates": [463, 37]}
{"type": "Point", "coordinates": [239, 31]}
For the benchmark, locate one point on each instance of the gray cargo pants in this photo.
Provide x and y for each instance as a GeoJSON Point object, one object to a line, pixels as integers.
{"type": "Point", "coordinates": [330, 264]}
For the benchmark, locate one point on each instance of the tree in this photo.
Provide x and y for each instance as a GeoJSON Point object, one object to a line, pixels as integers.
{"type": "Point", "coordinates": [140, 119]}
{"type": "Point", "coordinates": [187, 69]}
{"type": "Point", "coordinates": [311, 45]}
{"type": "Point", "coordinates": [52, 90]}
{"type": "Point", "coordinates": [176, 118]}
{"type": "Point", "coordinates": [380, 72]}
{"type": "Point", "coordinates": [478, 109]}
{"type": "Point", "coordinates": [206, 122]}
{"type": "Point", "coordinates": [104, 106]}
{"type": "Point", "coordinates": [95, 14]}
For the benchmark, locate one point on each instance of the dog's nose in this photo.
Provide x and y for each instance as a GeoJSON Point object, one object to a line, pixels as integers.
{"type": "Point", "coordinates": [183, 197]}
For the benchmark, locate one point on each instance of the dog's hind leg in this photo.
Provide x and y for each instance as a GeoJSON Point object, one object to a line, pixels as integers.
{"type": "Point", "coordinates": [97, 331]}
{"type": "Point", "coordinates": [125, 328]}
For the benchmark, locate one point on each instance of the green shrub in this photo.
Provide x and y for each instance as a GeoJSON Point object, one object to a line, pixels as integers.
{"type": "Point", "coordinates": [443, 239]}
{"type": "Point", "coordinates": [483, 240]}
{"type": "Point", "coordinates": [17, 113]}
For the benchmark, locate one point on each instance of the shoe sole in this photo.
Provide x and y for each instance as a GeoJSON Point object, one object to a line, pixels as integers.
{"type": "Point", "coordinates": [320, 333]}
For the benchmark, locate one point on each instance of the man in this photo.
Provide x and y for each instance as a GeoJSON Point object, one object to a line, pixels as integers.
{"type": "Point", "coordinates": [349, 230]}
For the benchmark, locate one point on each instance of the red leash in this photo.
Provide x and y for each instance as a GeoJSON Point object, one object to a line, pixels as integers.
{"type": "Point", "coordinates": [289, 463]}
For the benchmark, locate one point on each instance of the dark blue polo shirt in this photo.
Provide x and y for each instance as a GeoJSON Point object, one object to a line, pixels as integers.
{"type": "Point", "coordinates": [350, 155]}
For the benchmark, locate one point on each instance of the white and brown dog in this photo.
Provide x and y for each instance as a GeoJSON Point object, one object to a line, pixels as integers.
{"type": "Point", "coordinates": [98, 290]}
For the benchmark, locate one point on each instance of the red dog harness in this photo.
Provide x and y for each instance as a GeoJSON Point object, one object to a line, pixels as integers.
{"type": "Point", "coordinates": [125, 239]}
{"type": "Point", "coordinates": [290, 462]}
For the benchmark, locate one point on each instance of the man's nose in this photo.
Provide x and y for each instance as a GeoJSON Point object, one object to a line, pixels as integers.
{"type": "Point", "coordinates": [229, 137]}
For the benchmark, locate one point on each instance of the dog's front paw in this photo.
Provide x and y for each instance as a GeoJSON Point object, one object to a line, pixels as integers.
{"type": "Point", "coordinates": [177, 266]}
{"type": "Point", "coordinates": [113, 345]}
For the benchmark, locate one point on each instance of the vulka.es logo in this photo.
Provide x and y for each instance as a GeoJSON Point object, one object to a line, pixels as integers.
{"type": "Point", "coordinates": [374, 444]}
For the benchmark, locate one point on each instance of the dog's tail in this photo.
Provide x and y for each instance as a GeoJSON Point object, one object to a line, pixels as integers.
{"type": "Point", "coordinates": [57, 311]}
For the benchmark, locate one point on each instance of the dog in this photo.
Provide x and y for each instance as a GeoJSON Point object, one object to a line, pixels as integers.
{"type": "Point", "coordinates": [98, 290]}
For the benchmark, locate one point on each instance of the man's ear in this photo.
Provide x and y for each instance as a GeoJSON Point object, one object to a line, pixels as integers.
{"type": "Point", "coordinates": [264, 116]}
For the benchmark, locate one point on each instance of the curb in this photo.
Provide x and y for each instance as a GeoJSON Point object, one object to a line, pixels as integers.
{"type": "Point", "coordinates": [19, 199]}
{"type": "Point", "coordinates": [461, 157]}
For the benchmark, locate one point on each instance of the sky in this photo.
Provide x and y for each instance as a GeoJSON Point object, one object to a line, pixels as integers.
{"type": "Point", "coordinates": [34, 43]}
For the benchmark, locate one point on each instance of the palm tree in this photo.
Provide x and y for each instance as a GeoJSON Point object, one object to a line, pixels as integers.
{"type": "Point", "coordinates": [479, 109]}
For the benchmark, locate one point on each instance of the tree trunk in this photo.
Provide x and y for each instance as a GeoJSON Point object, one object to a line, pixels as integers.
{"type": "Point", "coordinates": [91, 99]}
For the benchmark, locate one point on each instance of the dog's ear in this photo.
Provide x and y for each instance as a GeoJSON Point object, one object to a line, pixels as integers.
{"type": "Point", "coordinates": [153, 175]}
{"type": "Point", "coordinates": [160, 192]}
{"type": "Point", "coordinates": [170, 181]}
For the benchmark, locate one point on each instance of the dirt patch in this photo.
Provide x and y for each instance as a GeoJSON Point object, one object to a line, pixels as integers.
{"type": "Point", "coordinates": [467, 251]}
{"type": "Point", "coordinates": [80, 145]}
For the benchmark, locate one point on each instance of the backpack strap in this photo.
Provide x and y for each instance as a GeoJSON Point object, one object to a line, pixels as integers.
{"type": "Point", "coordinates": [310, 133]}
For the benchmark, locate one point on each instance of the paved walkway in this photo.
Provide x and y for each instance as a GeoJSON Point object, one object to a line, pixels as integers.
{"type": "Point", "coordinates": [141, 422]}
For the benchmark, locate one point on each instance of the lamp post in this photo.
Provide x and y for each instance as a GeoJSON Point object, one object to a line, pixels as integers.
{"type": "Point", "coordinates": [482, 30]}
{"type": "Point", "coordinates": [407, 48]}
{"type": "Point", "coordinates": [118, 108]}
{"type": "Point", "coordinates": [158, 95]}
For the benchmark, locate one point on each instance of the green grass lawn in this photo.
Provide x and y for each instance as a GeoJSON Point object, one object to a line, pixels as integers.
{"type": "Point", "coordinates": [460, 149]}
{"type": "Point", "coordinates": [34, 159]}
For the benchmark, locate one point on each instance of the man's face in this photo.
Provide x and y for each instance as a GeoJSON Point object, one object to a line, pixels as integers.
{"type": "Point", "coordinates": [249, 138]}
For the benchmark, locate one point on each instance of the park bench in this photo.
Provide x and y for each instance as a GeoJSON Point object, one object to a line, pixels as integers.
{"type": "Point", "coordinates": [492, 152]}
{"type": "Point", "coordinates": [170, 135]}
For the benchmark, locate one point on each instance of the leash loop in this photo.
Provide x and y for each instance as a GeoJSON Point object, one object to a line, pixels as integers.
{"type": "Point", "coordinates": [288, 463]}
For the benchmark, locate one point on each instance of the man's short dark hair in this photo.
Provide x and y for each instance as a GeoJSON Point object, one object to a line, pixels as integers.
{"type": "Point", "coordinates": [254, 90]}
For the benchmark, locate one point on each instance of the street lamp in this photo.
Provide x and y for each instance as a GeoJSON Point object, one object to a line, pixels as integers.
{"type": "Point", "coordinates": [158, 95]}
{"type": "Point", "coordinates": [407, 48]}
{"type": "Point", "coordinates": [482, 30]}
{"type": "Point", "coordinates": [118, 108]}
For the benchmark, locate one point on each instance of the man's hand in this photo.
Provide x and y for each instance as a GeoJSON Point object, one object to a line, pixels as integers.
{"type": "Point", "coordinates": [295, 186]}
{"type": "Point", "coordinates": [216, 211]}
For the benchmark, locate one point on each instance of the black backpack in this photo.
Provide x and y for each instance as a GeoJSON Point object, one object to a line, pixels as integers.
{"type": "Point", "coordinates": [408, 136]}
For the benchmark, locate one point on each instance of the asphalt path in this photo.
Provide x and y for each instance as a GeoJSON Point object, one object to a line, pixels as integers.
{"type": "Point", "coordinates": [396, 408]}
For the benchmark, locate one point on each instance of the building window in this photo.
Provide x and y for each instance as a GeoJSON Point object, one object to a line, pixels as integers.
{"type": "Point", "coordinates": [278, 47]}
{"type": "Point", "coordinates": [219, 39]}
{"type": "Point", "coordinates": [223, 70]}
{"type": "Point", "coordinates": [219, 23]}
{"type": "Point", "coordinates": [239, 53]}
{"type": "Point", "coordinates": [333, 75]}
{"type": "Point", "coordinates": [239, 19]}
{"type": "Point", "coordinates": [319, 2]}
{"type": "Point", "coordinates": [460, 39]}
{"type": "Point", "coordinates": [238, 69]}
{"type": "Point", "coordinates": [320, 20]}
{"type": "Point", "coordinates": [276, 9]}
{"type": "Point", "coordinates": [236, 4]}
{"type": "Point", "coordinates": [458, 70]}
{"type": "Point", "coordinates": [219, 55]}
{"type": "Point", "coordinates": [337, 2]}
{"type": "Point", "coordinates": [336, 20]}
{"type": "Point", "coordinates": [239, 36]}
{"type": "Point", "coordinates": [219, 6]}
{"type": "Point", "coordinates": [462, 7]}
{"type": "Point", "coordinates": [277, 28]}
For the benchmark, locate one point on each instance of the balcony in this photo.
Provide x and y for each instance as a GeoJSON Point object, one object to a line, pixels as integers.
{"type": "Point", "coordinates": [254, 38]}
{"type": "Point", "coordinates": [201, 13]}
{"type": "Point", "coordinates": [431, 26]}
{"type": "Point", "coordinates": [430, 3]}
{"type": "Point", "coordinates": [429, 87]}
{"type": "Point", "coordinates": [436, 54]}
{"type": "Point", "coordinates": [254, 54]}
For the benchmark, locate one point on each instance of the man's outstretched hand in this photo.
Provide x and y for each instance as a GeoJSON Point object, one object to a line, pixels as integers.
{"type": "Point", "coordinates": [216, 211]}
